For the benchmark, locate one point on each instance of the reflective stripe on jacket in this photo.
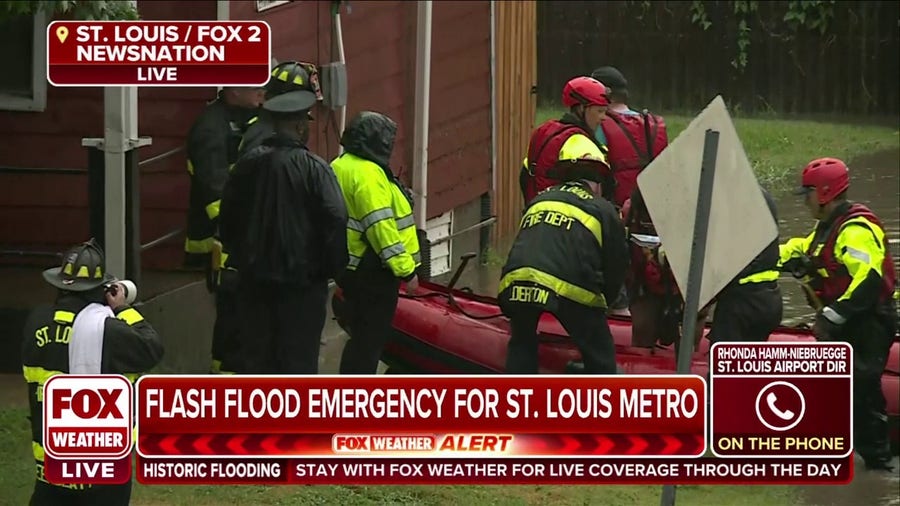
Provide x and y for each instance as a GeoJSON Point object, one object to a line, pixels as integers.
{"type": "Point", "coordinates": [853, 269]}
{"type": "Point", "coordinates": [212, 146]}
{"type": "Point", "coordinates": [380, 216]}
{"type": "Point", "coordinates": [764, 267]}
{"type": "Point", "coordinates": [130, 346]}
{"type": "Point", "coordinates": [571, 245]}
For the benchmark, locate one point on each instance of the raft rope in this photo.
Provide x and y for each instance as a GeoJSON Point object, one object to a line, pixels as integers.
{"type": "Point", "coordinates": [454, 304]}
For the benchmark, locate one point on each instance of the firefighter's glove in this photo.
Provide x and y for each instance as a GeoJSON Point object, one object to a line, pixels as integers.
{"type": "Point", "coordinates": [828, 325]}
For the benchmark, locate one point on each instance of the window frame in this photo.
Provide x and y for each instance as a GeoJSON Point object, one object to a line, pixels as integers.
{"type": "Point", "coordinates": [38, 100]}
{"type": "Point", "coordinates": [271, 4]}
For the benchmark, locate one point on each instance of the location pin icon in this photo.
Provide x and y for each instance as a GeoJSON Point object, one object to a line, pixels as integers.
{"type": "Point", "coordinates": [61, 33]}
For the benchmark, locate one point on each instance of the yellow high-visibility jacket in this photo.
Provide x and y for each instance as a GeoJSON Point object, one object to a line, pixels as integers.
{"type": "Point", "coordinates": [381, 218]}
{"type": "Point", "coordinates": [850, 268]}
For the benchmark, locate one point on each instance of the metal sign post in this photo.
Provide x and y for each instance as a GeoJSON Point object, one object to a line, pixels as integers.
{"type": "Point", "coordinates": [731, 221]}
{"type": "Point", "coordinates": [695, 273]}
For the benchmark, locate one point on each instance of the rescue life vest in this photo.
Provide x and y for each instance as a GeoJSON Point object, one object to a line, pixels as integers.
{"type": "Point", "coordinates": [829, 288]}
{"type": "Point", "coordinates": [633, 140]}
{"type": "Point", "coordinates": [543, 153]}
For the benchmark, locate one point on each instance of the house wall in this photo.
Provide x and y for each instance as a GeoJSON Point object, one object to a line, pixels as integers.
{"type": "Point", "coordinates": [381, 76]}
{"type": "Point", "coordinates": [516, 68]}
{"type": "Point", "coordinates": [380, 49]}
{"type": "Point", "coordinates": [48, 212]}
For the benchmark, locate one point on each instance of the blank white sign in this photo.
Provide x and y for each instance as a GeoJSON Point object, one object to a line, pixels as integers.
{"type": "Point", "coordinates": [740, 224]}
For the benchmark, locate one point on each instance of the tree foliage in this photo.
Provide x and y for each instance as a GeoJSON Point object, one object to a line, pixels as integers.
{"type": "Point", "coordinates": [799, 15]}
{"type": "Point", "coordinates": [82, 10]}
{"type": "Point", "coordinates": [802, 14]}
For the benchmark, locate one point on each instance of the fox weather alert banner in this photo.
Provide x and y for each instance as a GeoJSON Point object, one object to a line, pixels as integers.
{"type": "Point", "coordinates": [409, 429]}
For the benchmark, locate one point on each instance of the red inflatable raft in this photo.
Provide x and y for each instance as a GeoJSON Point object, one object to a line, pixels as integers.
{"type": "Point", "coordinates": [440, 330]}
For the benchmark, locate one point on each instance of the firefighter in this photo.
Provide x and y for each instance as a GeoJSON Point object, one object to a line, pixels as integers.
{"type": "Point", "coordinates": [569, 258]}
{"type": "Point", "coordinates": [750, 307]}
{"type": "Point", "coordinates": [587, 100]}
{"type": "Point", "coordinates": [634, 139]}
{"type": "Point", "coordinates": [381, 237]}
{"type": "Point", "coordinates": [286, 77]}
{"type": "Point", "coordinates": [846, 261]}
{"type": "Point", "coordinates": [89, 329]}
{"type": "Point", "coordinates": [212, 146]}
{"type": "Point", "coordinates": [284, 221]}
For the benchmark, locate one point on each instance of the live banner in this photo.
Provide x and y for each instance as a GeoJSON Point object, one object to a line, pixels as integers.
{"type": "Point", "coordinates": [158, 53]}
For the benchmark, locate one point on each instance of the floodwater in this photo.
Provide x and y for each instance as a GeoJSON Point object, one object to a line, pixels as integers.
{"type": "Point", "coordinates": [875, 181]}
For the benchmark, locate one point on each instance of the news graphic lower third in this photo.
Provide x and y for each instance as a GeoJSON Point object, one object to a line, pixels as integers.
{"type": "Point", "coordinates": [767, 426]}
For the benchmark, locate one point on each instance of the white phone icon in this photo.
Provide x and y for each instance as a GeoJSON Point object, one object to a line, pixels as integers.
{"type": "Point", "coordinates": [771, 399]}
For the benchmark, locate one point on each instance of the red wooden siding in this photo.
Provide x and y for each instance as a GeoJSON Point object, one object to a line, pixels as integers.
{"type": "Point", "coordinates": [459, 147]}
{"type": "Point", "coordinates": [49, 212]}
{"type": "Point", "coordinates": [379, 45]}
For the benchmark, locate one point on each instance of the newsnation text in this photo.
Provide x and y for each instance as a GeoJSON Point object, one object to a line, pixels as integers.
{"type": "Point", "coordinates": [451, 471]}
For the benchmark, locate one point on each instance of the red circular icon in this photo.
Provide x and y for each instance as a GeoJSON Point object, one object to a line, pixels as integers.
{"type": "Point", "coordinates": [780, 406]}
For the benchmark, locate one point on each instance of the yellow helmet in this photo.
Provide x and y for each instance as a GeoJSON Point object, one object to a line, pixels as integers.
{"type": "Point", "coordinates": [581, 158]}
{"type": "Point", "coordinates": [579, 148]}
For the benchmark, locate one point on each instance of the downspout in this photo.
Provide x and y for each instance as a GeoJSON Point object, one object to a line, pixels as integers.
{"type": "Point", "coordinates": [423, 97]}
{"type": "Point", "coordinates": [493, 99]}
{"type": "Point", "coordinates": [223, 13]}
{"type": "Point", "coordinates": [339, 40]}
{"type": "Point", "coordinates": [487, 200]}
{"type": "Point", "coordinates": [120, 124]}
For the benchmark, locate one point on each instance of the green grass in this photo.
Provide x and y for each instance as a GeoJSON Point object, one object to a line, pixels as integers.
{"type": "Point", "coordinates": [16, 482]}
{"type": "Point", "coordinates": [779, 148]}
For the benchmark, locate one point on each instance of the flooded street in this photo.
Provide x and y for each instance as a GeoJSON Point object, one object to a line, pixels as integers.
{"type": "Point", "coordinates": [875, 182]}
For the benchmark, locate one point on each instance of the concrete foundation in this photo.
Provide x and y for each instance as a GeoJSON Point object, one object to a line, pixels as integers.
{"type": "Point", "coordinates": [464, 216]}
{"type": "Point", "coordinates": [183, 311]}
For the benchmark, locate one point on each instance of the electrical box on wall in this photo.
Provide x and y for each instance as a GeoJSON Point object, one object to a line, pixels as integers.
{"type": "Point", "coordinates": [333, 77]}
